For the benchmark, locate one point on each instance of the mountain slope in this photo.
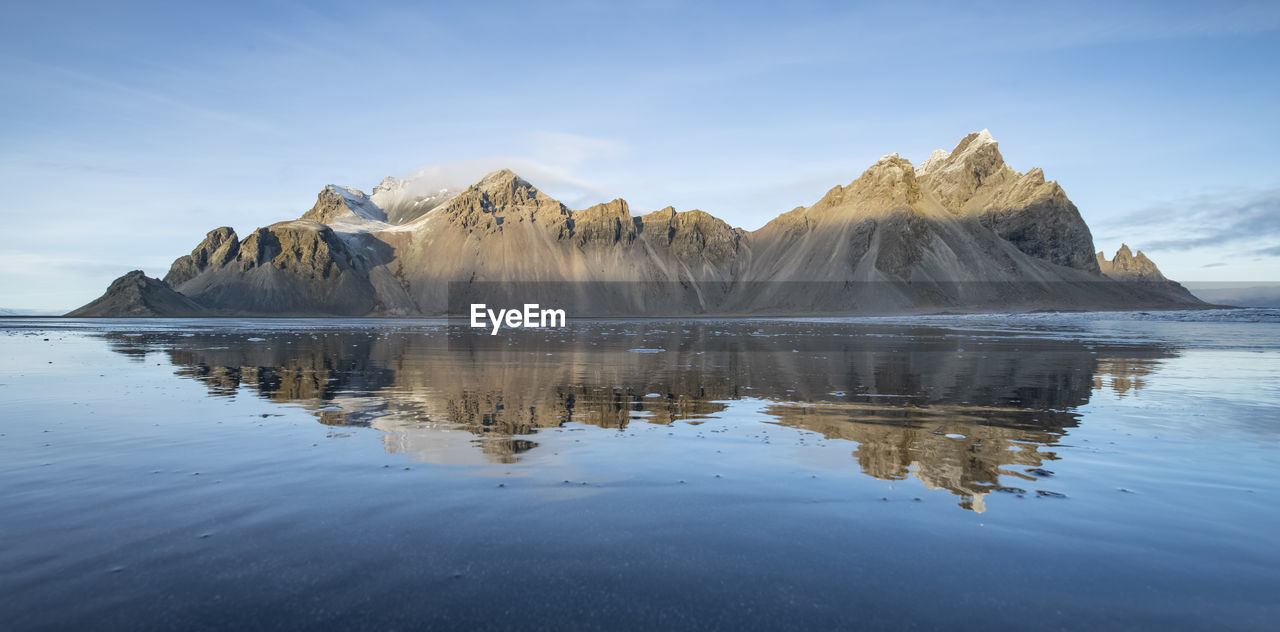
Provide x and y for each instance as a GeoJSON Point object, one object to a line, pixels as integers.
{"type": "Point", "coordinates": [138, 295]}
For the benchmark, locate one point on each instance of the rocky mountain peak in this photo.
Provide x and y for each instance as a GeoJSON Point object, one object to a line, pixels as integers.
{"type": "Point", "coordinates": [958, 174]}
{"type": "Point", "coordinates": [502, 179]}
{"type": "Point", "coordinates": [406, 199]}
{"type": "Point", "coordinates": [1126, 266]}
{"type": "Point", "coordinates": [503, 195]}
{"type": "Point", "coordinates": [501, 187]}
{"type": "Point", "coordinates": [219, 246]}
{"type": "Point", "coordinates": [1035, 215]}
{"type": "Point", "coordinates": [977, 149]}
{"type": "Point", "coordinates": [974, 140]}
{"type": "Point", "coordinates": [137, 295]}
{"type": "Point", "coordinates": [336, 201]}
{"type": "Point", "coordinates": [889, 184]}
{"type": "Point", "coordinates": [389, 184]}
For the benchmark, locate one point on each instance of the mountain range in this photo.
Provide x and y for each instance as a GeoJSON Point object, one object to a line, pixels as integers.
{"type": "Point", "coordinates": [962, 231]}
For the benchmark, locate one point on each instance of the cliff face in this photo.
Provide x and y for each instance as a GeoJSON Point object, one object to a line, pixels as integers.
{"type": "Point", "coordinates": [1025, 210]}
{"type": "Point", "coordinates": [219, 246]}
{"type": "Point", "coordinates": [300, 267]}
{"type": "Point", "coordinates": [961, 231]}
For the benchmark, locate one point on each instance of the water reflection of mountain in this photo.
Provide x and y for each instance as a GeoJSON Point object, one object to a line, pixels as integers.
{"type": "Point", "coordinates": [958, 410]}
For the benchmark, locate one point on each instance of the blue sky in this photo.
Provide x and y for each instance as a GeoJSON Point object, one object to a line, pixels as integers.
{"type": "Point", "coordinates": [128, 130]}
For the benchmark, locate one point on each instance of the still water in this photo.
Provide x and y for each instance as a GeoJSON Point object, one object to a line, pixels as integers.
{"type": "Point", "coordinates": [1013, 472]}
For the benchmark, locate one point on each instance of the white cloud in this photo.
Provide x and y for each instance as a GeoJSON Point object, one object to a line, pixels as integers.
{"type": "Point", "coordinates": [559, 148]}
{"type": "Point", "coordinates": [558, 163]}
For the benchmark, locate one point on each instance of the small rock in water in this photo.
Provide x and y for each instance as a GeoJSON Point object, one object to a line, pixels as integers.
{"type": "Point", "coordinates": [1040, 493]}
{"type": "Point", "coordinates": [1041, 472]}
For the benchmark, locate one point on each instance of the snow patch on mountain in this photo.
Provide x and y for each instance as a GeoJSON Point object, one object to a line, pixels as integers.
{"type": "Point", "coordinates": [942, 160]}
{"type": "Point", "coordinates": [407, 198]}
{"type": "Point", "coordinates": [358, 202]}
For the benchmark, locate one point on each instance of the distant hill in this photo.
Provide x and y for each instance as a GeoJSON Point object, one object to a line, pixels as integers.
{"type": "Point", "coordinates": [1238, 294]}
{"type": "Point", "coordinates": [28, 312]}
{"type": "Point", "coordinates": [962, 231]}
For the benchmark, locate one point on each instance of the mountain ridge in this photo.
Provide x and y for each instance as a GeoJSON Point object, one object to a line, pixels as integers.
{"type": "Point", "coordinates": [960, 231]}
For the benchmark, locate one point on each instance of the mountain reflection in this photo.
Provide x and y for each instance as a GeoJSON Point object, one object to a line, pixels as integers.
{"type": "Point", "coordinates": [956, 409]}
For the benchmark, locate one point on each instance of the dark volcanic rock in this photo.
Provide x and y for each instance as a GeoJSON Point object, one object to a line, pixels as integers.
{"type": "Point", "coordinates": [219, 246]}
{"type": "Point", "coordinates": [138, 295]}
{"type": "Point", "coordinates": [299, 268]}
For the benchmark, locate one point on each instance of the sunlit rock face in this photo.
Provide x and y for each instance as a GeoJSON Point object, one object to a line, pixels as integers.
{"type": "Point", "coordinates": [1127, 266]}
{"type": "Point", "coordinates": [1022, 208]}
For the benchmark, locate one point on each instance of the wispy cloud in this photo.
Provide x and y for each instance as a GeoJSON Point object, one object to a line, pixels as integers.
{"type": "Point", "coordinates": [82, 86]}
{"type": "Point", "coordinates": [573, 149]}
{"type": "Point", "coordinates": [1242, 217]}
{"type": "Point", "coordinates": [557, 163]}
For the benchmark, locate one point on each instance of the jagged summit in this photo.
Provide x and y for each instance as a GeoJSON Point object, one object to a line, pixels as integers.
{"type": "Point", "coordinates": [960, 231]}
{"type": "Point", "coordinates": [334, 202]}
{"type": "Point", "coordinates": [389, 185]}
{"type": "Point", "coordinates": [1126, 266]}
{"type": "Point", "coordinates": [502, 177]}
{"type": "Point", "coordinates": [972, 180]}
{"type": "Point", "coordinates": [496, 198]}
{"type": "Point", "coordinates": [976, 145]}
{"type": "Point", "coordinates": [957, 175]}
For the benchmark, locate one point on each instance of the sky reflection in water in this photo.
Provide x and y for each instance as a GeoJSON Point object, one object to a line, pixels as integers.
{"type": "Point", "coordinates": [1071, 471]}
